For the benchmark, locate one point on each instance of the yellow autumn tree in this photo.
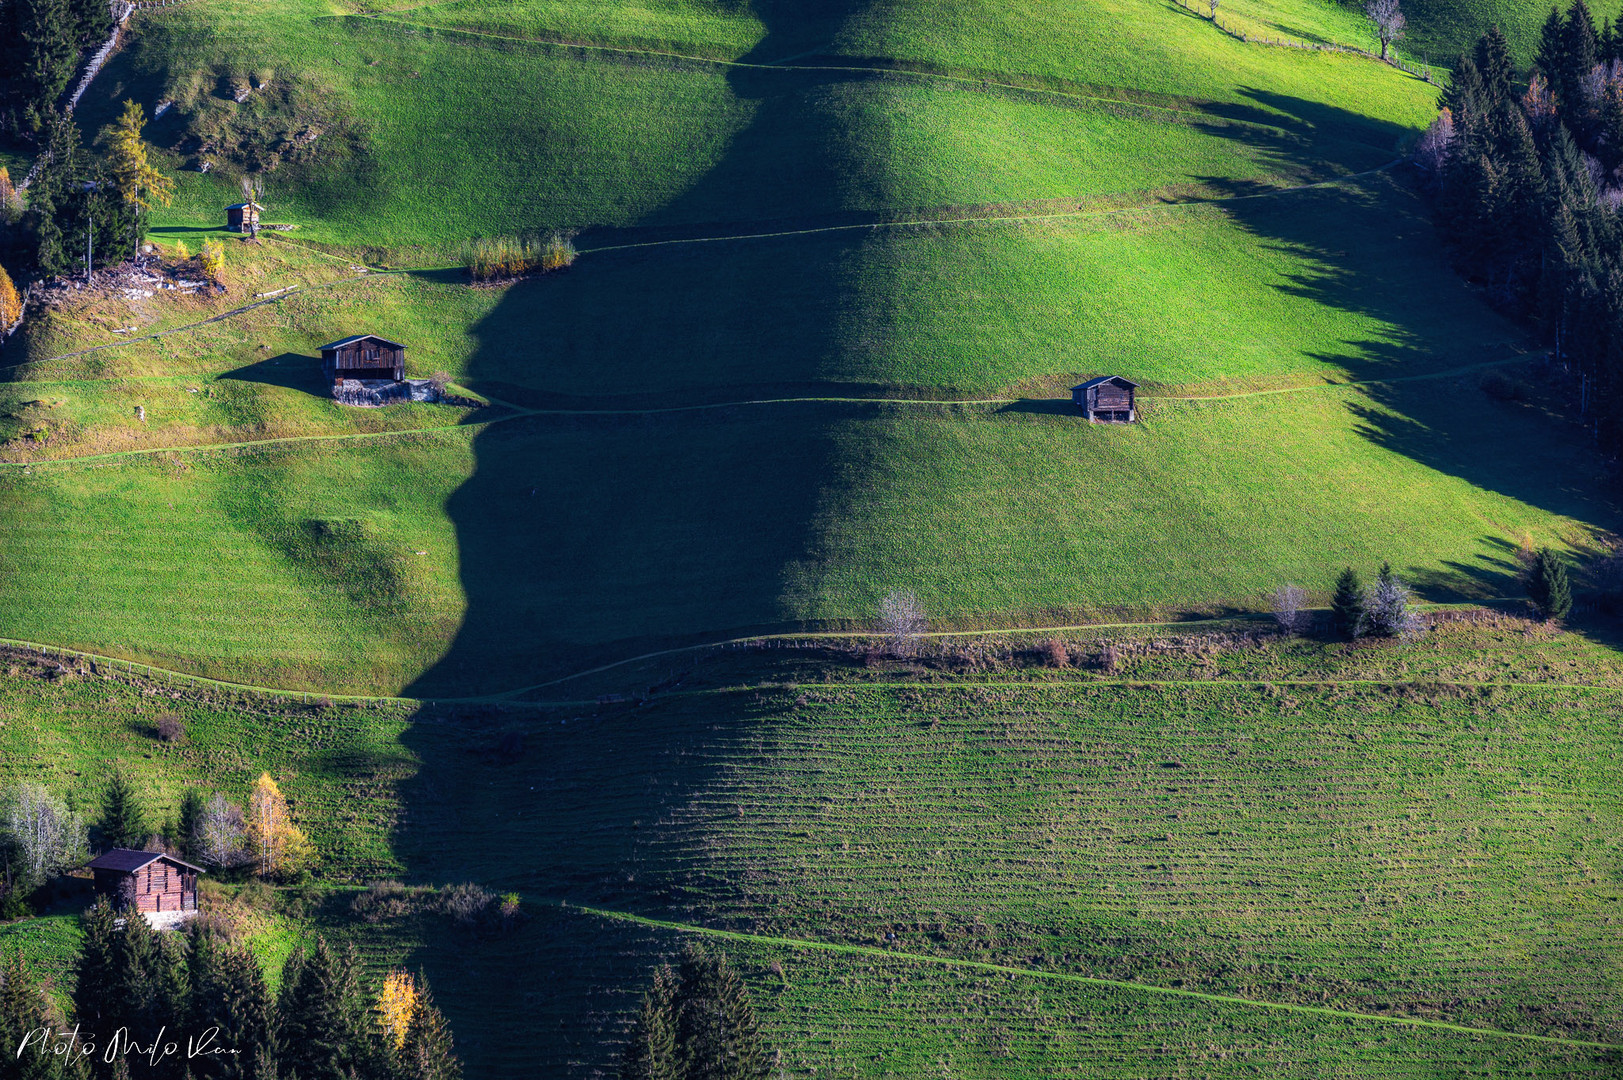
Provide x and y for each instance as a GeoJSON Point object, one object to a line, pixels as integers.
{"type": "Point", "coordinates": [135, 177]}
{"type": "Point", "coordinates": [278, 845]}
{"type": "Point", "coordinates": [212, 258]}
{"type": "Point", "coordinates": [397, 1001]}
{"type": "Point", "coordinates": [11, 308]}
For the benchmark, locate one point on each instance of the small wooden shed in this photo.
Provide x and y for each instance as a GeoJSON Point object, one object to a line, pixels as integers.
{"type": "Point", "coordinates": [1107, 399]}
{"type": "Point", "coordinates": [243, 216]}
{"type": "Point", "coordinates": [365, 356]}
{"type": "Point", "coordinates": [151, 882]}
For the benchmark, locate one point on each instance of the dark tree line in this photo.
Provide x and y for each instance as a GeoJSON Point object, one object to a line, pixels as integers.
{"type": "Point", "coordinates": [1529, 181]}
{"type": "Point", "coordinates": [40, 45]}
{"type": "Point", "coordinates": [320, 1026]}
{"type": "Point", "coordinates": [696, 1023]}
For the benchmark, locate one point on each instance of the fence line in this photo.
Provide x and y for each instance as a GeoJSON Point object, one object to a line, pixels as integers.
{"type": "Point", "coordinates": [1422, 73]}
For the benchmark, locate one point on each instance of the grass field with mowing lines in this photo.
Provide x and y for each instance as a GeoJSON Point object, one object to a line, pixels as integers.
{"type": "Point", "coordinates": [1428, 851]}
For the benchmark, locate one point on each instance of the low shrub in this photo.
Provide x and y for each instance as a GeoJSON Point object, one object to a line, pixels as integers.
{"type": "Point", "coordinates": [170, 728]}
{"type": "Point", "coordinates": [503, 258]}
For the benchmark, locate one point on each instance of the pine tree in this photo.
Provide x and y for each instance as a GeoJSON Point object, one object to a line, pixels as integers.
{"type": "Point", "coordinates": [123, 821]}
{"type": "Point", "coordinates": [427, 1052]}
{"type": "Point", "coordinates": [134, 176]}
{"type": "Point", "coordinates": [1347, 612]}
{"type": "Point", "coordinates": [96, 1003]}
{"type": "Point", "coordinates": [1389, 614]}
{"type": "Point", "coordinates": [322, 1024]}
{"type": "Point", "coordinates": [651, 1052]}
{"type": "Point", "coordinates": [92, 21]}
{"type": "Point", "coordinates": [49, 197]}
{"type": "Point", "coordinates": [1548, 586]}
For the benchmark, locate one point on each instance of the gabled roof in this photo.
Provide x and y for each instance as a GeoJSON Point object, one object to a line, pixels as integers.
{"type": "Point", "coordinates": [130, 861]}
{"type": "Point", "coordinates": [1091, 383]}
{"type": "Point", "coordinates": [362, 337]}
{"type": "Point", "coordinates": [244, 206]}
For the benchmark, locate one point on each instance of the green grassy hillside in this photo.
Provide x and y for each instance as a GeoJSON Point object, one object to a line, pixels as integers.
{"type": "Point", "coordinates": [1430, 850]}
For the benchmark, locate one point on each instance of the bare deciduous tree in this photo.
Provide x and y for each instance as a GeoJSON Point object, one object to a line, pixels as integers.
{"type": "Point", "coordinates": [1289, 604]}
{"type": "Point", "coordinates": [901, 617]}
{"type": "Point", "coordinates": [1212, 4]}
{"type": "Point", "coordinates": [1431, 149]}
{"type": "Point", "coordinates": [220, 833]}
{"type": "Point", "coordinates": [48, 837]}
{"type": "Point", "coordinates": [1389, 21]}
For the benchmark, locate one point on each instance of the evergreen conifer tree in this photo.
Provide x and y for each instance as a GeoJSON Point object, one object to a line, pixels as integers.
{"type": "Point", "coordinates": [322, 1025]}
{"type": "Point", "coordinates": [123, 821]}
{"type": "Point", "coordinates": [1551, 58]}
{"type": "Point", "coordinates": [1389, 614]}
{"type": "Point", "coordinates": [1347, 612]}
{"type": "Point", "coordinates": [26, 1007]}
{"type": "Point", "coordinates": [717, 1034]}
{"type": "Point", "coordinates": [1496, 69]}
{"type": "Point", "coordinates": [229, 993]}
{"type": "Point", "coordinates": [49, 32]}
{"type": "Point", "coordinates": [1548, 586]}
{"type": "Point", "coordinates": [651, 1053]}
{"type": "Point", "coordinates": [428, 1052]}
{"type": "Point", "coordinates": [186, 823]}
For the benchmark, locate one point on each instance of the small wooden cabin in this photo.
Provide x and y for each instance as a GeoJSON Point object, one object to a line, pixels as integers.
{"type": "Point", "coordinates": [243, 216]}
{"type": "Point", "coordinates": [366, 356]}
{"type": "Point", "coordinates": [1107, 399]}
{"type": "Point", "coordinates": [151, 882]}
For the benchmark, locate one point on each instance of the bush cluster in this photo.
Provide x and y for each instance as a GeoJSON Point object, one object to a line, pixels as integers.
{"type": "Point", "coordinates": [503, 258]}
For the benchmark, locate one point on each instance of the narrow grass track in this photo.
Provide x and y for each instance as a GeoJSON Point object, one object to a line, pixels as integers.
{"type": "Point", "coordinates": [1086, 980]}
{"type": "Point", "coordinates": [520, 412]}
{"type": "Point", "coordinates": [994, 218]}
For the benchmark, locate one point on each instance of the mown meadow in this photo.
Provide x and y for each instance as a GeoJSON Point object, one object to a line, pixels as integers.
{"type": "Point", "coordinates": [910, 868]}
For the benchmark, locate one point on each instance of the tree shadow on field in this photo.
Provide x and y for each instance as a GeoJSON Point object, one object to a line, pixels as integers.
{"type": "Point", "coordinates": [1368, 248]}
{"type": "Point", "coordinates": [593, 537]}
{"type": "Point", "coordinates": [1297, 133]}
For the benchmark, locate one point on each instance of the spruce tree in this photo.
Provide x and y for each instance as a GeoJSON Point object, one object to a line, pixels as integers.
{"type": "Point", "coordinates": [229, 993]}
{"type": "Point", "coordinates": [96, 1003]}
{"type": "Point", "coordinates": [26, 1007]}
{"type": "Point", "coordinates": [1389, 614]}
{"type": "Point", "coordinates": [717, 1034]}
{"type": "Point", "coordinates": [428, 1052]}
{"type": "Point", "coordinates": [123, 821]}
{"type": "Point", "coordinates": [1548, 586]}
{"type": "Point", "coordinates": [186, 824]}
{"type": "Point", "coordinates": [651, 1052]}
{"type": "Point", "coordinates": [1496, 69]}
{"type": "Point", "coordinates": [50, 55]}
{"type": "Point", "coordinates": [1552, 53]}
{"type": "Point", "coordinates": [1347, 605]}
{"type": "Point", "coordinates": [321, 1017]}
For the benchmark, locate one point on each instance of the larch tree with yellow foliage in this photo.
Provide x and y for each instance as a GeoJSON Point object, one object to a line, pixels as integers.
{"type": "Point", "coordinates": [279, 846]}
{"type": "Point", "coordinates": [11, 308]}
{"type": "Point", "coordinates": [397, 1001]}
{"type": "Point", "coordinates": [134, 176]}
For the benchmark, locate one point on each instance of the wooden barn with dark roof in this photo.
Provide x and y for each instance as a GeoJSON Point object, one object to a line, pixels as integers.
{"type": "Point", "coordinates": [1108, 399]}
{"type": "Point", "coordinates": [364, 356]}
{"type": "Point", "coordinates": [151, 882]}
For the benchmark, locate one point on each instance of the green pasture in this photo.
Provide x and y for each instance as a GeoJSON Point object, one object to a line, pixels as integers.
{"type": "Point", "coordinates": [1400, 850]}
{"type": "Point", "coordinates": [482, 558]}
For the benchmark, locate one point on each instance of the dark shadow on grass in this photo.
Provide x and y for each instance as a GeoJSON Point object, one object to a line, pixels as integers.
{"type": "Point", "coordinates": [1370, 249]}
{"type": "Point", "coordinates": [586, 538]}
{"type": "Point", "coordinates": [294, 371]}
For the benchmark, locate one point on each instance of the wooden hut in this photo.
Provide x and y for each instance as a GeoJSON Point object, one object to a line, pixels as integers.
{"type": "Point", "coordinates": [243, 216]}
{"type": "Point", "coordinates": [365, 356]}
{"type": "Point", "coordinates": [1107, 399]}
{"type": "Point", "coordinates": [161, 887]}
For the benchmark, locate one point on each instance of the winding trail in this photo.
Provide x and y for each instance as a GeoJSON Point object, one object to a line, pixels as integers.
{"type": "Point", "coordinates": [910, 223]}
{"type": "Point", "coordinates": [1146, 989]}
{"type": "Point", "coordinates": [517, 412]}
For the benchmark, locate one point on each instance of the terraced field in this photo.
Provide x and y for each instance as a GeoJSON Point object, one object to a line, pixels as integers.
{"type": "Point", "coordinates": [1069, 874]}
